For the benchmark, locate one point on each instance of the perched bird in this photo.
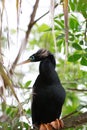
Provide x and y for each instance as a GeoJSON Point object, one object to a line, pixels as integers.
{"type": "Point", "coordinates": [48, 94]}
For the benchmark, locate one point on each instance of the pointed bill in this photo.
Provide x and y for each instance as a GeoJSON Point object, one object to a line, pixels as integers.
{"type": "Point", "coordinates": [24, 62]}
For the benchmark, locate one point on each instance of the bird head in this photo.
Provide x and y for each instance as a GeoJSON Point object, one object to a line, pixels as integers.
{"type": "Point", "coordinates": [38, 56]}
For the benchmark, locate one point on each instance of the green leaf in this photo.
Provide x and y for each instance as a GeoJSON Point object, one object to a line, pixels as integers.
{"type": "Point", "coordinates": [60, 23]}
{"type": "Point", "coordinates": [79, 6]}
{"type": "Point", "coordinates": [72, 5]}
{"type": "Point", "coordinates": [27, 84]}
{"type": "Point", "coordinates": [82, 7]}
{"type": "Point", "coordinates": [8, 110]}
{"type": "Point", "coordinates": [43, 27]}
{"type": "Point", "coordinates": [73, 23]}
{"type": "Point", "coordinates": [71, 38]}
{"type": "Point", "coordinates": [57, 27]}
{"type": "Point", "coordinates": [20, 84]}
{"type": "Point", "coordinates": [28, 111]}
{"type": "Point", "coordinates": [59, 42]}
{"type": "Point", "coordinates": [74, 57]}
{"type": "Point", "coordinates": [86, 49]}
{"type": "Point", "coordinates": [83, 61]}
{"type": "Point", "coordinates": [26, 126]}
{"type": "Point", "coordinates": [77, 46]}
{"type": "Point", "coordinates": [81, 42]}
{"type": "Point", "coordinates": [13, 31]}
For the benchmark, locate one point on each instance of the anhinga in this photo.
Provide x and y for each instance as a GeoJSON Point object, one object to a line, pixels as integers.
{"type": "Point", "coordinates": [48, 94]}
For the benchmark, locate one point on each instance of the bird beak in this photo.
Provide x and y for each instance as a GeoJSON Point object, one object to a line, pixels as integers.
{"type": "Point", "coordinates": [24, 62]}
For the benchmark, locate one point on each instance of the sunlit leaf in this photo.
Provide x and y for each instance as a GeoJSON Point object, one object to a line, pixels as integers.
{"type": "Point", "coordinates": [73, 23]}
{"type": "Point", "coordinates": [79, 6]}
{"type": "Point", "coordinates": [43, 27]}
{"type": "Point", "coordinates": [72, 5]}
{"type": "Point", "coordinates": [27, 84]}
{"type": "Point", "coordinates": [60, 23]}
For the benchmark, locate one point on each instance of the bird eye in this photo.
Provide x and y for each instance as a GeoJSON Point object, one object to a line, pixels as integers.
{"type": "Point", "coordinates": [32, 58]}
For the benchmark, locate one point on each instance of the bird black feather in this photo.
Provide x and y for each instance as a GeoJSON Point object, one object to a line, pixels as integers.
{"type": "Point", "coordinates": [48, 94]}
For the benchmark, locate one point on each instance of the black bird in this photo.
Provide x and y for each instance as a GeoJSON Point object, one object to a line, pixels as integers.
{"type": "Point", "coordinates": [48, 94]}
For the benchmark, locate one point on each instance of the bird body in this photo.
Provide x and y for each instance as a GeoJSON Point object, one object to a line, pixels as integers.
{"type": "Point", "coordinates": [48, 94]}
{"type": "Point", "coordinates": [47, 103]}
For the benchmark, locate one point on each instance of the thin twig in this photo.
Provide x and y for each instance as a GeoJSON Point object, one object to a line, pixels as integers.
{"type": "Point", "coordinates": [31, 23]}
{"type": "Point", "coordinates": [23, 45]}
{"type": "Point", "coordinates": [79, 90]}
{"type": "Point", "coordinates": [85, 33]}
{"type": "Point", "coordinates": [70, 114]}
{"type": "Point", "coordinates": [1, 20]}
{"type": "Point", "coordinates": [44, 15]}
{"type": "Point", "coordinates": [65, 8]}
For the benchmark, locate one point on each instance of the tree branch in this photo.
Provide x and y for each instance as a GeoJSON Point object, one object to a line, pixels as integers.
{"type": "Point", "coordinates": [44, 15]}
{"type": "Point", "coordinates": [24, 42]}
{"type": "Point", "coordinates": [32, 19]}
{"type": "Point", "coordinates": [75, 121]}
{"type": "Point", "coordinates": [31, 23]}
{"type": "Point", "coordinates": [78, 90]}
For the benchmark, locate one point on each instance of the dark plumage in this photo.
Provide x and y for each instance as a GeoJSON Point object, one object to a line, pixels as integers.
{"type": "Point", "coordinates": [48, 93]}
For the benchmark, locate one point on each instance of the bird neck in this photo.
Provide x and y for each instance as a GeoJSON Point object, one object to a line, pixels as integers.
{"type": "Point", "coordinates": [47, 70]}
